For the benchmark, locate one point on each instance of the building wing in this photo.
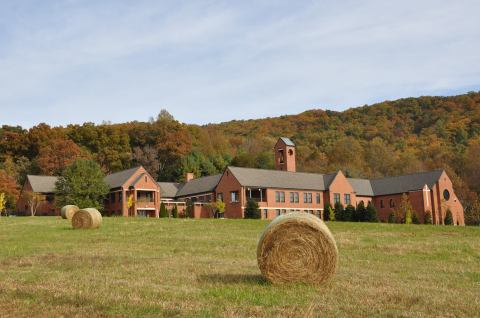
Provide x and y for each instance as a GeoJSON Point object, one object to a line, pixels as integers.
{"type": "Point", "coordinates": [199, 185]}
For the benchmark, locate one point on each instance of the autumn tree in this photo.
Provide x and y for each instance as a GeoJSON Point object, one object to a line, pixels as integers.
{"type": "Point", "coordinates": [9, 187]}
{"type": "Point", "coordinates": [3, 202]}
{"type": "Point", "coordinates": [57, 155]}
{"type": "Point", "coordinates": [34, 200]}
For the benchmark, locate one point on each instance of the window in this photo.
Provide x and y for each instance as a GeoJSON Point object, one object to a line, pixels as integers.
{"type": "Point", "coordinates": [347, 199]}
{"type": "Point", "coordinates": [279, 196]}
{"type": "Point", "coordinates": [112, 197]}
{"type": "Point", "coordinates": [381, 204]}
{"type": "Point", "coordinates": [234, 196]}
{"type": "Point", "coordinates": [446, 195]}
{"type": "Point", "coordinates": [318, 198]}
{"type": "Point", "coordinates": [336, 198]}
{"type": "Point", "coordinates": [120, 197]}
{"type": "Point", "coordinates": [307, 197]}
{"type": "Point", "coordinates": [220, 196]}
{"type": "Point", "coordinates": [392, 203]}
{"type": "Point", "coordinates": [278, 212]}
{"type": "Point", "coordinates": [265, 214]}
{"type": "Point", "coordinates": [282, 155]}
{"type": "Point", "coordinates": [50, 198]}
{"type": "Point", "coordinates": [284, 211]}
{"type": "Point", "coordinates": [293, 197]}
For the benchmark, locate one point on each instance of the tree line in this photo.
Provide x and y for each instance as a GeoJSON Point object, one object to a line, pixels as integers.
{"type": "Point", "coordinates": [388, 138]}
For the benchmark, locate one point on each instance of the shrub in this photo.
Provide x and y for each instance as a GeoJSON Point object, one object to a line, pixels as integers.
{"type": "Point", "coordinates": [360, 214]}
{"type": "Point", "coordinates": [326, 212]}
{"type": "Point", "coordinates": [339, 211]}
{"type": "Point", "coordinates": [408, 217]}
{"type": "Point", "coordinates": [252, 211]}
{"type": "Point", "coordinates": [415, 219]}
{"type": "Point", "coordinates": [163, 211]}
{"type": "Point", "coordinates": [428, 218]}
{"type": "Point", "coordinates": [472, 214]}
{"type": "Point", "coordinates": [331, 213]}
{"type": "Point", "coordinates": [391, 218]}
{"type": "Point", "coordinates": [175, 212]}
{"type": "Point", "coordinates": [371, 213]}
{"type": "Point", "coordinates": [348, 213]}
{"type": "Point", "coordinates": [449, 218]}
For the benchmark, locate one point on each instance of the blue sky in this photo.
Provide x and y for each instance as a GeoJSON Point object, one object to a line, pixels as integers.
{"type": "Point", "coordinates": [74, 61]}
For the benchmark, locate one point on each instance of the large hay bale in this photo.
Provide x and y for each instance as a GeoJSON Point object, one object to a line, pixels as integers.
{"type": "Point", "coordinates": [68, 211]}
{"type": "Point", "coordinates": [88, 218]}
{"type": "Point", "coordinates": [297, 247]}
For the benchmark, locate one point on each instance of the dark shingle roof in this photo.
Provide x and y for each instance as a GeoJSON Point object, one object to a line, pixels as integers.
{"type": "Point", "coordinates": [199, 185]}
{"type": "Point", "coordinates": [287, 141]}
{"type": "Point", "coordinates": [405, 183]}
{"type": "Point", "coordinates": [42, 184]}
{"type": "Point", "coordinates": [278, 179]}
{"type": "Point", "coordinates": [361, 186]}
{"type": "Point", "coordinates": [117, 179]}
{"type": "Point", "coordinates": [168, 189]}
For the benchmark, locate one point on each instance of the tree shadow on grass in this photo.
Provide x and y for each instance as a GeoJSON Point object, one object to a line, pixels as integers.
{"type": "Point", "coordinates": [232, 279]}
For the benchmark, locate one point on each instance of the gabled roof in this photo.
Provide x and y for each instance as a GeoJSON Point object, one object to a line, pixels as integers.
{"type": "Point", "coordinates": [287, 141]}
{"type": "Point", "coordinates": [117, 179]}
{"type": "Point", "coordinates": [169, 189]}
{"type": "Point", "coordinates": [405, 183]}
{"type": "Point", "coordinates": [42, 184]}
{"type": "Point", "coordinates": [263, 178]}
{"type": "Point", "coordinates": [199, 185]}
{"type": "Point", "coordinates": [362, 187]}
{"type": "Point", "coordinates": [328, 179]}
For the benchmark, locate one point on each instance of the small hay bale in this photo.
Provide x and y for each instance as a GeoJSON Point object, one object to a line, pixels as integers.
{"type": "Point", "coordinates": [68, 211]}
{"type": "Point", "coordinates": [88, 218]}
{"type": "Point", "coordinates": [297, 247]}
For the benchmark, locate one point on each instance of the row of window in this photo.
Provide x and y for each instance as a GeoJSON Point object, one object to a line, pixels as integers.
{"type": "Point", "coordinates": [346, 198]}
{"type": "Point", "coordinates": [295, 197]}
{"type": "Point", "coordinates": [391, 203]}
{"type": "Point", "coordinates": [285, 211]}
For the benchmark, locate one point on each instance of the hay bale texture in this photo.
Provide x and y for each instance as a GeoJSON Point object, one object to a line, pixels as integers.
{"type": "Point", "coordinates": [68, 211]}
{"type": "Point", "coordinates": [297, 247]}
{"type": "Point", "coordinates": [88, 218]}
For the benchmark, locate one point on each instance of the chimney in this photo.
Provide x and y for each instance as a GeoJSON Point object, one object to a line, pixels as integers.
{"type": "Point", "coordinates": [189, 176]}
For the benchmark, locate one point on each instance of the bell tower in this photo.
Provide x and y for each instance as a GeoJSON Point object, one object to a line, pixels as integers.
{"type": "Point", "coordinates": [285, 155]}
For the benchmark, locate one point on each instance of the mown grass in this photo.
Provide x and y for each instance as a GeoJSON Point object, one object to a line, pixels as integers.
{"type": "Point", "coordinates": [189, 268]}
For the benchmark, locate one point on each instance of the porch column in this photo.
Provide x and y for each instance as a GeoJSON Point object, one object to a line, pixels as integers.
{"type": "Point", "coordinates": [135, 204]}
{"type": "Point", "coordinates": [155, 201]}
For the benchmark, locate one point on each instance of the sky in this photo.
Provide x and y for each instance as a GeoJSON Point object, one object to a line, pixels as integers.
{"type": "Point", "coordinates": [76, 61]}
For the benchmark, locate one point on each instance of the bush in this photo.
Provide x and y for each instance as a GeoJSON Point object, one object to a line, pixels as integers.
{"type": "Point", "coordinates": [348, 213]}
{"type": "Point", "coordinates": [408, 217]}
{"type": "Point", "coordinates": [428, 218]}
{"type": "Point", "coordinates": [252, 210]}
{"type": "Point", "coordinates": [326, 212]}
{"type": "Point", "coordinates": [415, 219]}
{"type": "Point", "coordinates": [175, 212]}
{"type": "Point", "coordinates": [472, 214]}
{"type": "Point", "coordinates": [331, 213]}
{"type": "Point", "coordinates": [360, 214]}
{"type": "Point", "coordinates": [163, 211]}
{"type": "Point", "coordinates": [391, 218]}
{"type": "Point", "coordinates": [371, 213]}
{"type": "Point", "coordinates": [339, 211]}
{"type": "Point", "coordinates": [449, 218]}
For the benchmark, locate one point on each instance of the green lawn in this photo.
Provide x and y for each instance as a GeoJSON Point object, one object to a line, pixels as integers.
{"type": "Point", "coordinates": [156, 267]}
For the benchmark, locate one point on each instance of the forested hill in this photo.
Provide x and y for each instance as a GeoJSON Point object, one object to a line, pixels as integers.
{"type": "Point", "coordinates": [389, 138]}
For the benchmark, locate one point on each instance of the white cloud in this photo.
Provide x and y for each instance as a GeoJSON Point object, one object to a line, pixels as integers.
{"type": "Point", "coordinates": [212, 61]}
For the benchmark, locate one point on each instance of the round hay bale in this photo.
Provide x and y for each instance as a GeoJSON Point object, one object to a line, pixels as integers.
{"type": "Point", "coordinates": [68, 211]}
{"type": "Point", "coordinates": [88, 218]}
{"type": "Point", "coordinates": [297, 247]}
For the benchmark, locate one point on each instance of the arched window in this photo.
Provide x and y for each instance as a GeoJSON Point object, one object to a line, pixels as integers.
{"type": "Point", "coordinates": [392, 203]}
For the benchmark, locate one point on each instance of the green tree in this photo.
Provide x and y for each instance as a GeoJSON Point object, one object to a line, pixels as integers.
{"type": "Point", "coordinates": [360, 214]}
{"type": "Point", "coordinates": [175, 212]}
{"type": "Point", "coordinates": [339, 212]}
{"type": "Point", "coordinates": [82, 184]}
{"type": "Point", "coordinates": [348, 213]}
{"type": "Point", "coordinates": [472, 214]}
{"type": "Point", "coordinates": [406, 210]}
{"type": "Point", "coordinates": [415, 219]}
{"type": "Point", "coordinates": [163, 211]}
{"type": "Point", "coordinates": [220, 208]}
{"type": "Point", "coordinates": [326, 212]}
{"type": "Point", "coordinates": [391, 218]}
{"type": "Point", "coordinates": [252, 210]}
{"type": "Point", "coordinates": [449, 218]}
{"type": "Point", "coordinates": [427, 218]}
{"type": "Point", "coordinates": [331, 213]}
{"type": "Point", "coordinates": [371, 213]}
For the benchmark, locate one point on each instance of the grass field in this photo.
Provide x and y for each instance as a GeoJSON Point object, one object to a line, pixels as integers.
{"type": "Point", "coordinates": [157, 267]}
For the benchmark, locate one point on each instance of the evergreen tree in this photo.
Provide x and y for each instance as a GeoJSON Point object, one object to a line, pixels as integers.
{"type": "Point", "coordinates": [348, 213]}
{"type": "Point", "coordinates": [163, 211]}
{"type": "Point", "coordinates": [428, 218]}
{"type": "Point", "coordinates": [360, 214]}
{"type": "Point", "coordinates": [175, 212]}
{"type": "Point", "coordinates": [331, 213]}
{"type": "Point", "coordinates": [339, 211]}
{"type": "Point", "coordinates": [326, 212]}
{"type": "Point", "coordinates": [252, 210]}
{"type": "Point", "coordinates": [82, 184]}
{"type": "Point", "coordinates": [371, 213]}
{"type": "Point", "coordinates": [415, 219]}
{"type": "Point", "coordinates": [449, 218]}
